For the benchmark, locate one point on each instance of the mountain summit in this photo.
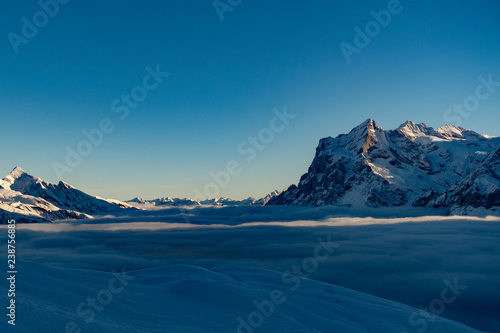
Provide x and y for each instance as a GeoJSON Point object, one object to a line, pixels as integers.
{"type": "Point", "coordinates": [30, 199]}
{"type": "Point", "coordinates": [411, 165]}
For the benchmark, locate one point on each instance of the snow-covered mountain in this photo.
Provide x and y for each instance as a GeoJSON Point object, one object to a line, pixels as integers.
{"type": "Point", "coordinates": [411, 165]}
{"type": "Point", "coordinates": [61, 195]}
{"type": "Point", "coordinates": [478, 190]}
{"type": "Point", "coordinates": [182, 298]}
{"type": "Point", "coordinates": [174, 202]}
{"type": "Point", "coordinates": [250, 201]}
{"type": "Point", "coordinates": [223, 201]}
{"type": "Point", "coordinates": [29, 209]}
{"type": "Point", "coordinates": [30, 199]}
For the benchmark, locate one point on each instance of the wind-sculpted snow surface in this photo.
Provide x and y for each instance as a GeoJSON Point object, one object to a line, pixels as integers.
{"type": "Point", "coordinates": [403, 259]}
{"type": "Point", "coordinates": [183, 299]}
{"type": "Point", "coordinates": [410, 165]}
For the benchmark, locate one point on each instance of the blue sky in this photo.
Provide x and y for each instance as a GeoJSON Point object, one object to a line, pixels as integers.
{"type": "Point", "coordinates": [225, 79]}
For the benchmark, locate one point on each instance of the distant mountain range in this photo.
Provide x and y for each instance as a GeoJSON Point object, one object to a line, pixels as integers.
{"type": "Point", "coordinates": [413, 165]}
{"type": "Point", "coordinates": [29, 199]}
{"type": "Point", "coordinates": [174, 202]}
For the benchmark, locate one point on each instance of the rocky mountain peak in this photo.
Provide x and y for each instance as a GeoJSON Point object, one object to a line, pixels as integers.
{"type": "Point", "coordinates": [17, 172]}
{"type": "Point", "coordinates": [374, 167]}
{"type": "Point", "coordinates": [451, 131]}
{"type": "Point", "coordinates": [18, 179]}
{"type": "Point", "coordinates": [368, 125]}
{"type": "Point", "coordinates": [412, 130]}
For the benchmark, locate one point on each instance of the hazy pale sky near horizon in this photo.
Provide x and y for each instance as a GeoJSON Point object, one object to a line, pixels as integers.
{"type": "Point", "coordinates": [225, 79]}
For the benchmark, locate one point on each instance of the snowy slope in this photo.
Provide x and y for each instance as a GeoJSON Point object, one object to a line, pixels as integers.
{"type": "Point", "coordinates": [191, 299]}
{"type": "Point", "coordinates": [26, 209]}
{"type": "Point", "coordinates": [480, 189]}
{"type": "Point", "coordinates": [373, 167]}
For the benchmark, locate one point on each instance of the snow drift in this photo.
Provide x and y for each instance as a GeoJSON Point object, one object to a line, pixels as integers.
{"type": "Point", "coordinates": [184, 299]}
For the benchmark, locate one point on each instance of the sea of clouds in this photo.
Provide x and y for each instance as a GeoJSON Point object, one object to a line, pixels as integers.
{"type": "Point", "coordinates": [380, 252]}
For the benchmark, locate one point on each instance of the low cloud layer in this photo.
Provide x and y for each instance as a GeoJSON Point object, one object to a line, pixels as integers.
{"type": "Point", "coordinates": [405, 262]}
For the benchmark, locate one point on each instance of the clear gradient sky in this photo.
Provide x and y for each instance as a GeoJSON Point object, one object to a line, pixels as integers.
{"type": "Point", "coordinates": [225, 79]}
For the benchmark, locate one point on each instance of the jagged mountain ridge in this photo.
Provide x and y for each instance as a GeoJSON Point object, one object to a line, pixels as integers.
{"type": "Point", "coordinates": [373, 167]}
{"type": "Point", "coordinates": [61, 195]}
{"type": "Point", "coordinates": [30, 199]}
{"type": "Point", "coordinates": [223, 201]}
